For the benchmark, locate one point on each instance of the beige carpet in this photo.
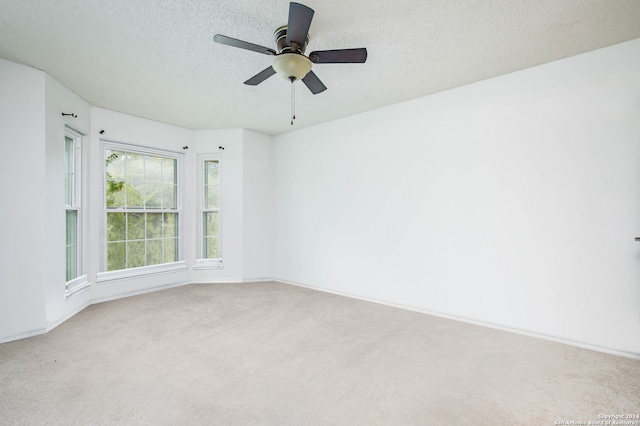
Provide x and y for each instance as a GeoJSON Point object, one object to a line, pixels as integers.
{"type": "Point", "coordinates": [269, 353]}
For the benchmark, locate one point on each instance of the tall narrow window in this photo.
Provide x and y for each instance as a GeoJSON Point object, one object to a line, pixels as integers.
{"type": "Point", "coordinates": [141, 200]}
{"type": "Point", "coordinates": [211, 211]}
{"type": "Point", "coordinates": [210, 249]}
{"type": "Point", "coordinates": [72, 203]}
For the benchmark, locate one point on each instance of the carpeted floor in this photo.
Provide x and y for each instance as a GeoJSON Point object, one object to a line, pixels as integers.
{"type": "Point", "coordinates": [269, 353]}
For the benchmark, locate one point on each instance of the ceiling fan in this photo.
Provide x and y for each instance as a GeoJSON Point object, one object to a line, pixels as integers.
{"type": "Point", "coordinates": [291, 42]}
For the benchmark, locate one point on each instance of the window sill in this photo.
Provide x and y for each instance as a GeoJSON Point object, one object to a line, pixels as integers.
{"type": "Point", "coordinates": [76, 286]}
{"type": "Point", "coordinates": [208, 264]}
{"type": "Point", "coordinates": [140, 272]}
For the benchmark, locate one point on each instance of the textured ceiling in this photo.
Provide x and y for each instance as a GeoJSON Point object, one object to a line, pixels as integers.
{"type": "Point", "coordinates": [156, 58]}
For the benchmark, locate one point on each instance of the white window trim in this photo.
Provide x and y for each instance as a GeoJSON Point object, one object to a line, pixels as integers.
{"type": "Point", "coordinates": [201, 262]}
{"type": "Point", "coordinates": [208, 264]}
{"type": "Point", "coordinates": [72, 287]}
{"type": "Point", "coordinates": [123, 274]}
{"type": "Point", "coordinates": [76, 286]}
{"type": "Point", "coordinates": [106, 276]}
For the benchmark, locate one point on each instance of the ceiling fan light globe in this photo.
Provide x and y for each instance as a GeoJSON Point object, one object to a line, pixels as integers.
{"type": "Point", "coordinates": [291, 65]}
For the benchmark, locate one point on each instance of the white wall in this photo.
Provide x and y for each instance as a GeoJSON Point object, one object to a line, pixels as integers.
{"type": "Point", "coordinates": [58, 100]}
{"type": "Point", "coordinates": [22, 212]}
{"type": "Point", "coordinates": [258, 207]}
{"type": "Point", "coordinates": [511, 202]}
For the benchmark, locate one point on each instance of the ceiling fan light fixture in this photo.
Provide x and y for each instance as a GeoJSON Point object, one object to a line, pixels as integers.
{"type": "Point", "coordinates": [292, 65]}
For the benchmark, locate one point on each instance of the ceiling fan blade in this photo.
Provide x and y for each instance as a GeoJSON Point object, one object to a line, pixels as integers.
{"type": "Point", "coordinates": [300, 17]}
{"type": "Point", "coordinates": [261, 76]}
{"type": "Point", "coordinates": [313, 83]}
{"type": "Point", "coordinates": [219, 38]}
{"type": "Point", "coordinates": [339, 56]}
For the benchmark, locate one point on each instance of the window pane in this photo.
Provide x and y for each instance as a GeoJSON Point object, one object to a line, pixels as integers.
{"type": "Point", "coordinates": [135, 226]}
{"type": "Point", "coordinates": [213, 193]}
{"type": "Point", "coordinates": [154, 252]}
{"type": "Point", "coordinates": [153, 169]}
{"type": "Point", "coordinates": [69, 170]}
{"type": "Point", "coordinates": [169, 195]}
{"type": "Point", "coordinates": [72, 244]}
{"type": "Point", "coordinates": [170, 250]}
{"type": "Point", "coordinates": [115, 194]}
{"type": "Point", "coordinates": [154, 225]}
{"type": "Point", "coordinates": [72, 227]}
{"type": "Point", "coordinates": [72, 262]}
{"type": "Point", "coordinates": [116, 256]}
{"type": "Point", "coordinates": [134, 193]}
{"type": "Point", "coordinates": [170, 225]}
{"type": "Point", "coordinates": [135, 254]}
{"type": "Point", "coordinates": [211, 173]}
{"type": "Point", "coordinates": [169, 170]}
{"type": "Point", "coordinates": [153, 195]}
{"type": "Point", "coordinates": [134, 166]}
{"type": "Point", "coordinates": [114, 162]}
{"type": "Point", "coordinates": [116, 226]}
{"type": "Point", "coordinates": [211, 224]}
{"type": "Point", "coordinates": [211, 247]}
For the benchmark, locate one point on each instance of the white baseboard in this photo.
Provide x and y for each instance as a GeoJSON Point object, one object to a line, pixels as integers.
{"type": "Point", "coordinates": [23, 335]}
{"type": "Point", "coordinates": [258, 280]}
{"type": "Point", "coordinates": [234, 280]}
{"type": "Point", "coordinates": [472, 321]}
{"type": "Point", "coordinates": [138, 292]}
{"type": "Point", "coordinates": [66, 317]}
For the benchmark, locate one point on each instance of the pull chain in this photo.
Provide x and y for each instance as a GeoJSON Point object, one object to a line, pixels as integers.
{"type": "Point", "coordinates": [293, 99]}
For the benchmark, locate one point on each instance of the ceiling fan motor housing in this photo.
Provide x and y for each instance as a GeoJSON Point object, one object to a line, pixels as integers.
{"type": "Point", "coordinates": [280, 35]}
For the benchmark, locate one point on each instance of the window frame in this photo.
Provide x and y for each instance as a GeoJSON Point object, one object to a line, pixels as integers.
{"type": "Point", "coordinates": [179, 264]}
{"type": "Point", "coordinates": [78, 283]}
{"type": "Point", "coordinates": [201, 261]}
